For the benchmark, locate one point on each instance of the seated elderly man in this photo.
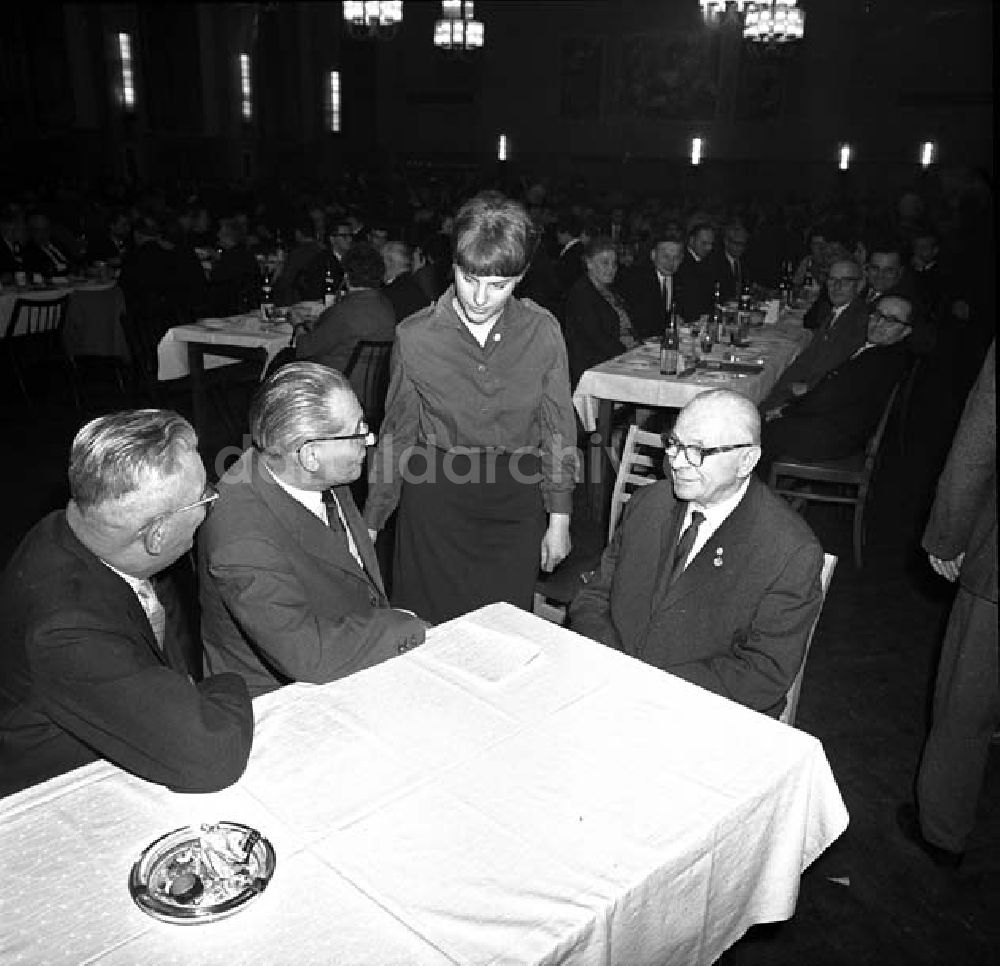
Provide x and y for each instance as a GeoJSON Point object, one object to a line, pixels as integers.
{"type": "Point", "coordinates": [836, 417]}
{"type": "Point", "coordinates": [96, 659]}
{"type": "Point", "coordinates": [840, 332]}
{"type": "Point", "coordinates": [709, 575]}
{"type": "Point", "coordinates": [290, 587]}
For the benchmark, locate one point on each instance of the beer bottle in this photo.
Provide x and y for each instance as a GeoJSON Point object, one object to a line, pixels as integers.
{"type": "Point", "coordinates": [670, 347]}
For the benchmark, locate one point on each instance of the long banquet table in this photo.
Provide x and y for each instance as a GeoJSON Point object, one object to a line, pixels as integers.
{"type": "Point", "coordinates": [509, 793]}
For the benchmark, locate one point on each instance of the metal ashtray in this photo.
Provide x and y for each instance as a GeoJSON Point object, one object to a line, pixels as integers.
{"type": "Point", "coordinates": [201, 873]}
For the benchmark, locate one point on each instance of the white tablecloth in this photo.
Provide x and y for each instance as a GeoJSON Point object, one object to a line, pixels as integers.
{"type": "Point", "coordinates": [509, 793]}
{"type": "Point", "coordinates": [240, 330]}
{"type": "Point", "coordinates": [635, 377]}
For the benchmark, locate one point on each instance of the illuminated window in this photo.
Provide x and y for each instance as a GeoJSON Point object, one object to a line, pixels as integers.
{"type": "Point", "coordinates": [246, 88]}
{"type": "Point", "coordinates": [502, 148]}
{"type": "Point", "coordinates": [127, 76]}
{"type": "Point", "coordinates": [845, 157]}
{"type": "Point", "coordinates": [333, 102]}
{"type": "Point", "coordinates": [696, 148]}
{"type": "Point", "coordinates": [927, 154]}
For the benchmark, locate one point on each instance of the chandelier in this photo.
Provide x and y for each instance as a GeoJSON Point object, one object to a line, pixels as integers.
{"type": "Point", "coordinates": [776, 22]}
{"type": "Point", "coordinates": [458, 29]}
{"type": "Point", "coordinates": [373, 19]}
{"type": "Point", "coordinates": [764, 21]}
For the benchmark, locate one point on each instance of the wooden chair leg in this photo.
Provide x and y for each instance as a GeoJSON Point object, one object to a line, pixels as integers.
{"type": "Point", "coordinates": [859, 533]}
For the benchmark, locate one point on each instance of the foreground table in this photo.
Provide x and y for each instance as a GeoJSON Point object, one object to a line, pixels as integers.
{"type": "Point", "coordinates": [508, 793]}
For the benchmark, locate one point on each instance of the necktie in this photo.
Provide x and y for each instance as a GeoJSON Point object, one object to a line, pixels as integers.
{"type": "Point", "coordinates": [666, 293]}
{"type": "Point", "coordinates": [154, 611]}
{"type": "Point", "coordinates": [336, 525]}
{"type": "Point", "coordinates": [333, 514]}
{"type": "Point", "coordinates": [685, 544]}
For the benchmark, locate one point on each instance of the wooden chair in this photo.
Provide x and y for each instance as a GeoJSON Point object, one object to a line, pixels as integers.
{"type": "Point", "coordinates": [34, 342]}
{"type": "Point", "coordinates": [846, 481]}
{"type": "Point", "coordinates": [640, 464]}
{"type": "Point", "coordinates": [368, 372]}
{"type": "Point", "coordinates": [792, 697]}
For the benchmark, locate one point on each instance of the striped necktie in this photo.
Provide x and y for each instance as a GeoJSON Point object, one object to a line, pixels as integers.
{"type": "Point", "coordinates": [685, 544]}
{"type": "Point", "coordinates": [155, 613]}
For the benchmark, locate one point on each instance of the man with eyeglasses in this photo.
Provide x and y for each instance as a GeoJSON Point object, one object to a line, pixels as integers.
{"type": "Point", "coordinates": [290, 585]}
{"type": "Point", "coordinates": [96, 656]}
{"type": "Point", "coordinates": [839, 334]}
{"type": "Point", "coordinates": [836, 417]}
{"type": "Point", "coordinates": [709, 575]}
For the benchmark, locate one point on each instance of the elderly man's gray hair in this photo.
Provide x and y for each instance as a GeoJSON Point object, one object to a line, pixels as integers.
{"type": "Point", "coordinates": [115, 455]}
{"type": "Point", "coordinates": [294, 405]}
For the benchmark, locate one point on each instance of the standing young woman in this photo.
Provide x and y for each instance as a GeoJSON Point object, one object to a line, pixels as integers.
{"type": "Point", "coordinates": [478, 443]}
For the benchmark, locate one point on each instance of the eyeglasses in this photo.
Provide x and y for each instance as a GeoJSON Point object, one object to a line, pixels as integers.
{"type": "Point", "coordinates": [838, 280]}
{"type": "Point", "coordinates": [367, 435]}
{"type": "Point", "coordinates": [882, 317]}
{"type": "Point", "coordinates": [209, 495]}
{"type": "Point", "coordinates": [694, 453]}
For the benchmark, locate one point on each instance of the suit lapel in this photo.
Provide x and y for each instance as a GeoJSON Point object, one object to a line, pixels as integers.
{"type": "Point", "coordinates": [314, 537]}
{"type": "Point", "coordinates": [724, 550]}
{"type": "Point", "coordinates": [360, 533]}
{"type": "Point", "coordinates": [669, 535]}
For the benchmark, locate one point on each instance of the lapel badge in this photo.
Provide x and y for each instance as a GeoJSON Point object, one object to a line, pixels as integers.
{"type": "Point", "coordinates": [717, 561]}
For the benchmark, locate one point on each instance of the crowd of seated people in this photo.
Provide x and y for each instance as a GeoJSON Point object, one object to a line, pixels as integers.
{"type": "Point", "coordinates": [289, 583]}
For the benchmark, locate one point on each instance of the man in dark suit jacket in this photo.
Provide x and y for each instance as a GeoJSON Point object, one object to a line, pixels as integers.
{"type": "Point", "coordinates": [696, 275]}
{"type": "Point", "coordinates": [836, 417]}
{"type": "Point", "coordinates": [97, 659]}
{"type": "Point", "coordinates": [728, 264]}
{"type": "Point", "coordinates": [650, 287]}
{"type": "Point", "coordinates": [290, 586]}
{"type": "Point", "coordinates": [840, 332]}
{"type": "Point", "coordinates": [571, 238]}
{"type": "Point", "coordinates": [12, 237]}
{"type": "Point", "coordinates": [961, 544]}
{"type": "Point", "coordinates": [364, 313]}
{"type": "Point", "coordinates": [710, 576]}
{"type": "Point", "coordinates": [41, 255]}
{"type": "Point", "coordinates": [400, 288]}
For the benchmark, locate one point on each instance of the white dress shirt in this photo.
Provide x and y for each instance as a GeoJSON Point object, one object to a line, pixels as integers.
{"type": "Point", "coordinates": [312, 500]}
{"type": "Point", "coordinates": [715, 516]}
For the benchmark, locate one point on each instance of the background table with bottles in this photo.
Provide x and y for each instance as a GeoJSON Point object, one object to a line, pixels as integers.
{"type": "Point", "coordinates": [188, 350]}
{"type": "Point", "coordinates": [635, 378]}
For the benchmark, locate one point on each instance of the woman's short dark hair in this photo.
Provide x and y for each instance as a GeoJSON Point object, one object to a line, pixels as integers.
{"type": "Point", "coordinates": [493, 235]}
{"type": "Point", "coordinates": [363, 266]}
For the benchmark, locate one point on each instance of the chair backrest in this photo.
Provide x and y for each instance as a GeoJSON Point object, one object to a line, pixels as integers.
{"type": "Point", "coordinates": [640, 464]}
{"type": "Point", "coordinates": [875, 440]}
{"type": "Point", "coordinates": [792, 697]}
{"type": "Point", "coordinates": [368, 372]}
{"type": "Point", "coordinates": [37, 316]}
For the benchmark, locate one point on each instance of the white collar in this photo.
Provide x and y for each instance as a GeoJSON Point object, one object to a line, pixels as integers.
{"type": "Point", "coordinates": [138, 584]}
{"type": "Point", "coordinates": [312, 500]}
{"type": "Point", "coordinates": [717, 513]}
